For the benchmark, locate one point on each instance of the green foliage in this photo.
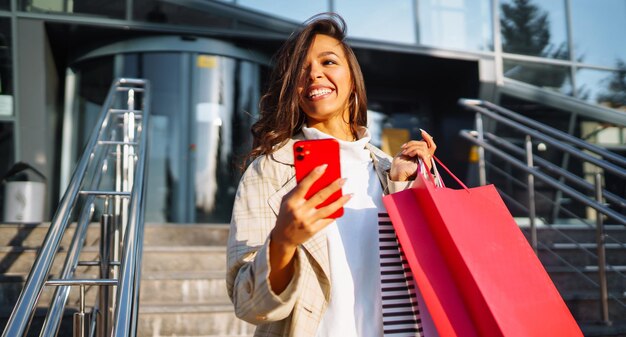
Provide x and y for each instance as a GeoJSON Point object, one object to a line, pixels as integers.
{"type": "Point", "coordinates": [525, 28]}
{"type": "Point", "coordinates": [615, 93]}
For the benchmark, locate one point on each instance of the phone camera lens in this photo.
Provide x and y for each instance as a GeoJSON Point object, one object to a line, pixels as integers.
{"type": "Point", "coordinates": [300, 157]}
{"type": "Point", "coordinates": [299, 148]}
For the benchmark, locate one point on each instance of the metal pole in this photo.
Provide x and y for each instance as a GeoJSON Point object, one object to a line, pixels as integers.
{"type": "Point", "coordinates": [80, 319]}
{"type": "Point", "coordinates": [600, 241]}
{"type": "Point", "coordinates": [105, 259]}
{"type": "Point", "coordinates": [531, 194]}
{"type": "Point", "coordinates": [482, 173]}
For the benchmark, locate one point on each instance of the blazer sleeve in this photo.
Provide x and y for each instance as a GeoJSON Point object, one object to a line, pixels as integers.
{"type": "Point", "coordinates": [248, 267]}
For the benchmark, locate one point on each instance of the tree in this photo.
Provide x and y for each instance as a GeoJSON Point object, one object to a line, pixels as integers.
{"type": "Point", "coordinates": [525, 29]}
{"type": "Point", "coordinates": [615, 93]}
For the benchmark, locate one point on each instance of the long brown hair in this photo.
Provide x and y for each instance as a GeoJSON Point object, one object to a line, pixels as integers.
{"type": "Point", "coordinates": [280, 114]}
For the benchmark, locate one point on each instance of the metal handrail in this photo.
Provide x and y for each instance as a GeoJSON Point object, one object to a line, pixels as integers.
{"type": "Point", "coordinates": [558, 134]}
{"type": "Point", "coordinates": [571, 146]}
{"type": "Point", "coordinates": [483, 107]}
{"type": "Point", "coordinates": [547, 179]}
{"type": "Point", "coordinates": [92, 160]}
{"type": "Point", "coordinates": [126, 311]}
{"type": "Point", "coordinates": [617, 200]}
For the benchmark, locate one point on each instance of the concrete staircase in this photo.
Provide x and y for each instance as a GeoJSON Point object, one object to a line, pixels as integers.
{"type": "Point", "coordinates": [574, 272]}
{"type": "Point", "coordinates": [183, 291]}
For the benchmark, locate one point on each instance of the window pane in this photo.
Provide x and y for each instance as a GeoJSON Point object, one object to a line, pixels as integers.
{"type": "Point", "coordinates": [556, 78]}
{"type": "Point", "coordinates": [6, 147]}
{"type": "Point", "coordinates": [598, 31]}
{"type": "Point", "coordinates": [165, 12]}
{"type": "Point", "coordinates": [605, 88]}
{"type": "Point", "coordinates": [370, 19]}
{"type": "Point", "coordinates": [457, 24]}
{"type": "Point", "coordinates": [106, 8]}
{"type": "Point", "coordinates": [536, 28]}
{"type": "Point", "coordinates": [296, 10]}
{"type": "Point", "coordinates": [6, 69]}
{"type": "Point", "coordinates": [5, 5]}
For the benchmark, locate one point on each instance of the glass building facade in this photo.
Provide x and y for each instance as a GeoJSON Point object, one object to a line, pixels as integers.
{"type": "Point", "coordinates": [479, 48]}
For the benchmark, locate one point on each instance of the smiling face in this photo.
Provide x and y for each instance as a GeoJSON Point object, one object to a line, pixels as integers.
{"type": "Point", "coordinates": [325, 85]}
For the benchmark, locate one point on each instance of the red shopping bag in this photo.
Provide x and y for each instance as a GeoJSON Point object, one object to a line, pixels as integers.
{"type": "Point", "coordinates": [475, 269]}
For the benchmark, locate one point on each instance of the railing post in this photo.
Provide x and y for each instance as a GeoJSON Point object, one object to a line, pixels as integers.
{"type": "Point", "coordinates": [104, 297]}
{"type": "Point", "coordinates": [531, 194]}
{"type": "Point", "coordinates": [482, 173]}
{"type": "Point", "coordinates": [600, 241]}
{"type": "Point", "coordinates": [81, 328]}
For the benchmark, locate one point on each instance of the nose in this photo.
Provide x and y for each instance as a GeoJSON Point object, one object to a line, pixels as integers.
{"type": "Point", "coordinates": [315, 71]}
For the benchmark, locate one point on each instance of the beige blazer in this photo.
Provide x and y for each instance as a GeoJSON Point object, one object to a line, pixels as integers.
{"type": "Point", "coordinates": [299, 309]}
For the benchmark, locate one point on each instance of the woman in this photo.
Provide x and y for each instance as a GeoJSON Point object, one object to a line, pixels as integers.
{"type": "Point", "coordinates": [291, 270]}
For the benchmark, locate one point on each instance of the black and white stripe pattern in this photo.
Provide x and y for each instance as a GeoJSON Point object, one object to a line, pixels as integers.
{"type": "Point", "coordinates": [401, 316]}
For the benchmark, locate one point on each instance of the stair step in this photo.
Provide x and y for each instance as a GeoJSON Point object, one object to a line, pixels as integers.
{"type": "Point", "coordinates": [191, 320]}
{"type": "Point", "coordinates": [587, 309]}
{"type": "Point", "coordinates": [17, 260]}
{"type": "Point", "coordinates": [591, 246]}
{"type": "Point", "coordinates": [549, 234]}
{"type": "Point", "coordinates": [32, 235]}
{"type": "Point", "coordinates": [155, 258]}
{"type": "Point", "coordinates": [184, 259]}
{"type": "Point", "coordinates": [595, 328]}
{"type": "Point", "coordinates": [184, 288]}
{"type": "Point", "coordinates": [568, 280]}
{"type": "Point", "coordinates": [162, 288]}
{"type": "Point", "coordinates": [562, 254]}
{"type": "Point", "coordinates": [608, 268]}
{"type": "Point", "coordinates": [156, 234]}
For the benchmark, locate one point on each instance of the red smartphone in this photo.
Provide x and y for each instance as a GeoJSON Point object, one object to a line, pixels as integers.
{"type": "Point", "coordinates": [309, 154]}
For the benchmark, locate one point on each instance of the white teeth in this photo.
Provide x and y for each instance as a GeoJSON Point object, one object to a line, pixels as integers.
{"type": "Point", "coordinates": [319, 92]}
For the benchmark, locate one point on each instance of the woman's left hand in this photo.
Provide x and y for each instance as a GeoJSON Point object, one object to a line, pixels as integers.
{"type": "Point", "coordinates": [404, 164]}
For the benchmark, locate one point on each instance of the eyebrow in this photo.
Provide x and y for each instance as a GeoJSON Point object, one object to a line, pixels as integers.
{"type": "Point", "coordinates": [326, 53]}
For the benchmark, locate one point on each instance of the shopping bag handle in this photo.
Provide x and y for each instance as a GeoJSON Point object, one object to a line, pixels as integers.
{"type": "Point", "coordinates": [449, 172]}
{"type": "Point", "coordinates": [435, 178]}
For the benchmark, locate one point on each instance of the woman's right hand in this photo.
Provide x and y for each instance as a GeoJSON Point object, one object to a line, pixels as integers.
{"type": "Point", "coordinates": [298, 220]}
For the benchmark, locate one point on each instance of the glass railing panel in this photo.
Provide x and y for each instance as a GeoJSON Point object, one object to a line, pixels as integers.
{"type": "Point", "coordinates": [535, 28]}
{"type": "Point", "coordinates": [460, 24]}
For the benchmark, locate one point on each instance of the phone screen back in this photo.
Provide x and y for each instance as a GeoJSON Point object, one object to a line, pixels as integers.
{"type": "Point", "coordinates": [309, 154]}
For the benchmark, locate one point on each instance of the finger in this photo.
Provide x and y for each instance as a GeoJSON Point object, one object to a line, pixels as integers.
{"type": "Point", "coordinates": [321, 224]}
{"type": "Point", "coordinates": [305, 184]}
{"type": "Point", "coordinates": [326, 211]}
{"type": "Point", "coordinates": [413, 148]}
{"type": "Point", "coordinates": [427, 138]}
{"type": "Point", "coordinates": [420, 152]}
{"type": "Point", "coordinates": [325, 192]}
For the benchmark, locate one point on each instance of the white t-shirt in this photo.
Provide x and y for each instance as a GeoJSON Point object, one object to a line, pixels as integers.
{"type": "Point", "coordinates": [355, 300]}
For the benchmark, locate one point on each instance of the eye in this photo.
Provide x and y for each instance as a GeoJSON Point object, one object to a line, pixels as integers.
{"type": "Point", "coordinates": [329, 62]}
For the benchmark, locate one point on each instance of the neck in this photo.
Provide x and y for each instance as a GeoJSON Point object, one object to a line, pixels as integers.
{"type": "Point", "coordinates": [338, 130]}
